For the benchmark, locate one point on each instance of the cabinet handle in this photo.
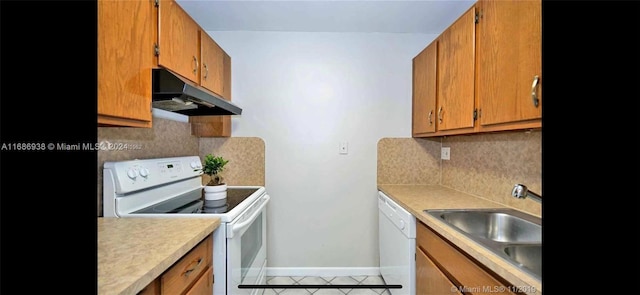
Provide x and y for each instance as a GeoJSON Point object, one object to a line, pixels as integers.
{"type": "Point", "coordinates": [189, 271]}
{"type": "Point", "coordinates": [534, 90]}
{"type": "Point", "coordinates": [440, 115]}
{"type": "Point", "coordinates": [430, 121]}
{"type": "Point", "coordinates": [206, 70]}
{"type": "Point", "coordinates": [195, 68]}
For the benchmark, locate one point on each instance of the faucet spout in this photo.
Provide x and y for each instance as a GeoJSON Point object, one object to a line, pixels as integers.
{"type": "Point", "coordinates": [521, 191]}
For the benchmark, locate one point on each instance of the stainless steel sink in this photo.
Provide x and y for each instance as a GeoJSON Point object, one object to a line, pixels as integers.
{"type": "Point", "coordinates": [500, 226]}
{"type": "Point", "coordinates": [510, 234]}
{"type": "Point", "coordinates": [528, 256]}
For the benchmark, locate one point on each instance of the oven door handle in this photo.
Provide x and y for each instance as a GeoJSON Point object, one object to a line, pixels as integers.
{"type": "Point", "coordinates": [238, 226]}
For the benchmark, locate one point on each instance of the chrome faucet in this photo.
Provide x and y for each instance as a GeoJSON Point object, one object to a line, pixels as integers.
{"type": "Point", "coordinates": [521, 191]}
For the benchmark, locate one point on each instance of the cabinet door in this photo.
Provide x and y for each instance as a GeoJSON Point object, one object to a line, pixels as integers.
{"type": "Point", "coordinates": [204, 285]}
{"type": "Point", "coordinates": [424, 90]}
{"type": "Point", "coordinates": [456, 74]}
{"type": "Point", "coordinates": [225, 121]}
{"type": "Point", "coordinates": [226, 64]}
{"type": "Point", "coordinates": [125, 59]}
{"type": "Point", "coordinates": [429, 279]}
{"type": "Point", "coordinates": [509, 60]}
{"type": "Point", "coordinates": [178, 40]}
{"type": "Point", "coordinates": [216, 126]}
{"type": "Point", "coordinates": [152, 289]}
{"type": "Point", "coordinates": [188, 269]}
{"type": "Point", "coordinates": [212, 67]}
{"type": "Point", "coordinates": [210, 126]}
{"type": "Point", "coordinates": [471, 275]}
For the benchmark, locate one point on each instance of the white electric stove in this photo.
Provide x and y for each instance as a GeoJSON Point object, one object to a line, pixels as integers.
{"type": "Point", "coordinates": [172, 188]}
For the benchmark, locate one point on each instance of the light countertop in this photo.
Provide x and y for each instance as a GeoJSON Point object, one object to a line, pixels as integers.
{"type": "Point", "coordinates": [132, 252]}
{"type": "Point", "coordinates": [415, 198]}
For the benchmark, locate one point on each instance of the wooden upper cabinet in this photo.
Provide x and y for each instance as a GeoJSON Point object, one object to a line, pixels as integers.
{"type": "Point", "coordinates": [226, 93]}
{"type": "Point", "coordinates": [126, 33]}
{"type": "Point", "coordinates": [178, 41]}
{"type": "Point", "coordinates": [216, 126]}
{"type": "Point", "coordinates": [212, 75]}
{"type": "Point", "coordinates": [226, 64]}
{"type": "Point", "coordinates": [488, 69]}
{"type": "Point", "coordinates": [424, 90]}
{"type": "Point", "coordinates": [509, 60]}
{"type": "Point", "coordinates": [186, 49]}
{"type": "Point", "coordinates": [211, 126]}
{"type": "Point", "coordinates": [456, 74]}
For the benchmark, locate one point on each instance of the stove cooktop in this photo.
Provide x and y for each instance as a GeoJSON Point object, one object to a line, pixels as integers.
{"type": "Point", "coordinates": [195, 203]}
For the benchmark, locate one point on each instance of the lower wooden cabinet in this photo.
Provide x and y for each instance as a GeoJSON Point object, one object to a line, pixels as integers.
{"type": "Point", "coordinates": [152, 289]}
{"type": "Point", "coordinates": [441, 268]}
{"type": "Point", "coordinates": [429, 278]}
{"type": "Point", "coordinates": [204, 285]}
{"type": "Point", "coordinates": [192, 274]}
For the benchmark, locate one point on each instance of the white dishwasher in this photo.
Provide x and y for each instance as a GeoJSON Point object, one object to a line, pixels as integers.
{"type": "Point", "coordinates": [397, 239]}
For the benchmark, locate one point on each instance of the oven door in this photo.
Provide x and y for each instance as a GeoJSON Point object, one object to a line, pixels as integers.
{"type": "Point", "coordinates": [247, 249]}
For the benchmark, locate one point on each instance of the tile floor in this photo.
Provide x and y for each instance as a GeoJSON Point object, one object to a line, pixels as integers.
{"type": "Point", "coordinates": [346, 280]}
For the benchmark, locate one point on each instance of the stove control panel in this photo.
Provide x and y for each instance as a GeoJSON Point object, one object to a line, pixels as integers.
{"type": "Point", "coordinates": [134, 175]}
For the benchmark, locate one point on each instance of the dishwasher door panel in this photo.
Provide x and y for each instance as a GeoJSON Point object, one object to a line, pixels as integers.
{"type": "Point", "coordinates": [397, 256]}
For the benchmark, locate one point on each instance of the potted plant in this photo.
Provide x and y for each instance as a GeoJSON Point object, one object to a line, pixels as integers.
{"type": "Point", "coordinates": [215, 189]}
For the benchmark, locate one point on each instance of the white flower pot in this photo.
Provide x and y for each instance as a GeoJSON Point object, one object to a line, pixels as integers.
{"type": "Point", "coordinates": [215, 192]}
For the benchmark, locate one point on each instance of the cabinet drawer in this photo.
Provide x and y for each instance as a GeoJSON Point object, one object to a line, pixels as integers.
{"type": "Point", "coordinates": [204, 285]}
{"type": "Point", "coordinates": [152, 289]}
{"type": "Point", "coordinates": [429, 278]}
{"type": "Point", "coordinates": [188, 269]}
{"type": "Point", "coordinates": [463, 271]}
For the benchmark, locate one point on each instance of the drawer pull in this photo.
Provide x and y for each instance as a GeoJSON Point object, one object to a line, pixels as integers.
{"type": "Point", "coordinates": [189, 271]}
{"type": "Point", "coordinates": [196, 65]}
{"type": "Point", "coordinates": [534, 92]}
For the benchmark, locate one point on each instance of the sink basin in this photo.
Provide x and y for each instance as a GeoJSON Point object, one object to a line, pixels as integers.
{"type": "Point", "coordinates": [511, 234]}
{"type": "Point", "coordinates": [528, 256]}
{"type": "Point", "coordinates": [499, 226]}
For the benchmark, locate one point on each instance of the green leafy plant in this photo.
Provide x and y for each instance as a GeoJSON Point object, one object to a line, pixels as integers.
{"type": "Point", "coordinates": [212, 167]}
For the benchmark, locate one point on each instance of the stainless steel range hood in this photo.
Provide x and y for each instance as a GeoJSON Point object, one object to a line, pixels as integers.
{"type": "Point", "coordinates": [175, 94]}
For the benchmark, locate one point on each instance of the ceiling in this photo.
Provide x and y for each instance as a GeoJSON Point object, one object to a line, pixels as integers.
{"type": "Point", "coordinates": [424, 17]}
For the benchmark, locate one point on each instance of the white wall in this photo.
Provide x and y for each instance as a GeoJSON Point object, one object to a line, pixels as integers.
{"type": "Point", "coordinates": [303, 94]}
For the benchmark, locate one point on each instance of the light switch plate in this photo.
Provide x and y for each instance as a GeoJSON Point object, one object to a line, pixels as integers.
{"type": "Point", "coordinates": [445, 153]}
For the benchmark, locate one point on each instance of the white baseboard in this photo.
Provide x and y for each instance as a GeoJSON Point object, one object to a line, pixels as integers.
{"type": "Point", "coordinates": [322, 271]}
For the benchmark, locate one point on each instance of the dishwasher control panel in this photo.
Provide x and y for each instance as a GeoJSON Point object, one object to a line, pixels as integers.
{"type": "Point", "coordinates": [400, 217]}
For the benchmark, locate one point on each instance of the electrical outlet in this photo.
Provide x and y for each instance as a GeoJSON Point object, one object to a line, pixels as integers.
{"type": "Point", "coordinates": [445, 153]}
{"type": "Point", "coordinates": [344, 148]}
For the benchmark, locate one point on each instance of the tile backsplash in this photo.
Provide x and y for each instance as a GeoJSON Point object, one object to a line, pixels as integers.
{"type": "Point", "coordinates": [489, 165]}
{"type": "Point", "coordinates": [485, 165]}
{"type": "Point", "coordinates": [246, 159]}
{"type": "Point", "coordinates": [408, 161]}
